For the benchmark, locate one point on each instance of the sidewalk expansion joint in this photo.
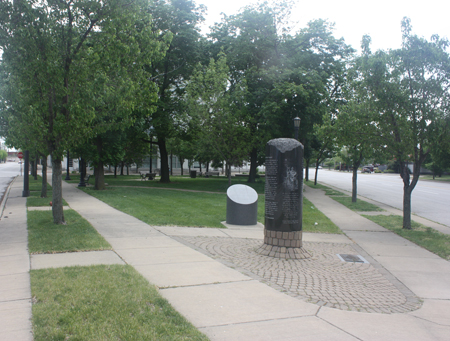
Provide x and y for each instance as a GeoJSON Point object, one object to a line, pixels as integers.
{"type": "Point", "coordinates": [18, 300]}
{"type": "Point", "coordinates": [203, 284]}
{"type": "Point", "coordinates": [337, 327]}
{"type": "Point", "coordinates": [430, 321]}
{"type": "Point", "coordinates": [257, 321]}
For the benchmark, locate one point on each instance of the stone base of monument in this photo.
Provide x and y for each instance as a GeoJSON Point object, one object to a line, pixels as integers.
{"type": "Point", "coordinates": [287, 245]}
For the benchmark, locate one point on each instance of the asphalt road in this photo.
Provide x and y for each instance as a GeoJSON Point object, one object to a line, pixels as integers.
{"type": "Point", "coordinates": [430, 199]}
{"type": "Point", "coordinates": [8, 171]}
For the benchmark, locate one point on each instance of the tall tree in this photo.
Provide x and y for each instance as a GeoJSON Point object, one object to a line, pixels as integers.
{"type": "Point", "coordinates": [326, 137]}
{"type": "Point", "coordinates": [353, 129]}
{"type": "Point", "coordinates": [219, 110]}
{"type": "Point", "coordinates": [52, 51]}
{"type": "Point", "coordinates": [251, 43]}
{"type": "Point", "coordinates": [181, 18]}
{"type": "Point", "coordinates": [409, 88]}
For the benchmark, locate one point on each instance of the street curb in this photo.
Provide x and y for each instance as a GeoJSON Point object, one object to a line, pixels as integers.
{"type": "Point", "coordinates": [4, 198]}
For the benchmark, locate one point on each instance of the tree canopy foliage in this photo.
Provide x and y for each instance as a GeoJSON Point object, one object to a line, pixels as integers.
{"type": "Point", "coordinates": [104, 79]}
{"type": "Point", "coordinates": [71, 70]}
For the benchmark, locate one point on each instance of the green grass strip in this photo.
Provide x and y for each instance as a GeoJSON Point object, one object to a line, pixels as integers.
{"type": "Point", "coordinates": [358, 206]}
{"type": "Point", "coordinates": [315, 221]}
{"type": "Point", "coordinates": [444, 178]}
{"type": "Point", "coordinates": [34, 200]}
{"type": "Point", "coordinates": [103, 303]}
{"type": "Point", "coordinates": [77, 235]}
{"type": "Point", "coordinates": [36, 185]}
{"type": "Point", "coordinates": [328, 190]}
{"type": "Point", "coordinates": [426, 237]}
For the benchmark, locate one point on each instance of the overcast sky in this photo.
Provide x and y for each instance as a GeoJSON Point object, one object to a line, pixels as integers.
{"type": "Point", "coordinates": [353, 18]}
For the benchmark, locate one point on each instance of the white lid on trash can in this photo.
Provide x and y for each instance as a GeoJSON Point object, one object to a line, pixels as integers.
{"type": "Point", "coordinates": [242, 194]}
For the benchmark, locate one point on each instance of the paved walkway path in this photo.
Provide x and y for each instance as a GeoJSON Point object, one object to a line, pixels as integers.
{"type": "Point", "coordinates": [214, 278]}
{"type": "Point", "coordinates": [15, 294]}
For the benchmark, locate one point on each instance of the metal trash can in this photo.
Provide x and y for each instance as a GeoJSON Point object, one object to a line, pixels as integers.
{"type": "Point", "coordinates": [242, 205]}
{"type": "Point", "coordinates": [193, 174]}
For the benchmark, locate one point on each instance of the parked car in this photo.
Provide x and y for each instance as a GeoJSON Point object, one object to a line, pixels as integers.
{"type": "Point", "coordinates": [367, 169]}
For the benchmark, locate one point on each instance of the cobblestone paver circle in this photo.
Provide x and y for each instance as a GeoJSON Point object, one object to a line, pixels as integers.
{"type": "Point", "coordinates": [322, 279]}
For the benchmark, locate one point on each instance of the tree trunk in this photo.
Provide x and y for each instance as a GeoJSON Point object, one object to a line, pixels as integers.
{"type": "Point", "coordinates": [99, 170]}
{"type": "Point", "coordinates": [356, 164]}
{"type": "Point", "coordinates": [122, 164]}
{"type": "Point", "coordinates": [407, 207]}
{"type": "Point", "coordinates": [115, 171]}
{"type": "Point", "coordinates": [44, 178]}
{"type": "Point", "coordinates": [354, 184]}
{"type": "Point", "coordinates": [32, 167]}
{"type": "Point", "coordinates": [57, 206]}
{"type": "Point", "coordinates": [306, 169]}
{"type": "Point", "coordinates": [36, 159]}
{"type": "Point", "coordinates": [407, 189]}
{"type": "Point", "coordinates": [315, 175]}
{"type": "Point", "coordinates": [253, 166]}
{"type": "Point", "coordinates": [182, 162]}
{"type": "Point", "coordinates": [229, 173]}
{"type": "Point", "coordinates": [165, 176]}
{"type": "Point", "coordinates": [99, 174]}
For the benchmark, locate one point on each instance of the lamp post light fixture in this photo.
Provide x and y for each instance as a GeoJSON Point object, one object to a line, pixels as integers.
{"type": "Point", "coordinates": [296, 126]}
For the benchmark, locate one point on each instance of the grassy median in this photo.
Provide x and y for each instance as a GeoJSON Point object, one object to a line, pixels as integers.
{"type": "Point", "coordinates": [104, 302]}
{"type": "Point", "coordinates": [35, 200]}
{"type": "Point", "coordinates": [358, 206]}
{"type": "Point", "coordinates": [76, 235]}
{"type": "Point", "coordinates": [426, 237]}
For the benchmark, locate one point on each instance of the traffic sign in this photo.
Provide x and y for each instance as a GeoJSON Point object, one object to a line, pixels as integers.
{"type": "Point", "coordinates": [20, 155]}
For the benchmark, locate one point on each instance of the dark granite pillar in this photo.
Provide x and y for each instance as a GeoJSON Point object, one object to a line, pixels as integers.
{"type": "Point", "coordinates": [284, 199]}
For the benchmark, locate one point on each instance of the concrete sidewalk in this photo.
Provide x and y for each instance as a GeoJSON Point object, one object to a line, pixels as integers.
{"type": "Point", "coordinates": [15, 294]}
{"type": "Point", "coordinates": [215, 279]}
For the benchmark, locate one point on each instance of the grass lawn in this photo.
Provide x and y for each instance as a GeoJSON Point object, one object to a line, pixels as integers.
{"type": "Point", "coordinates": [445, 177]}
{"type": "Point", "coordinates": [77, 235]}
{"type": "Point", "coordinates": [358, 206]}
{"type": "Point", "coordinates": [328, 190]}
{"type": "Point", "coordinates": [421, 235]}
{"type": "Point", "coordinates": [96, 302]}
{"type": "Point", "coordinates": [156, 206]}
{"type": "Point", "coordinates": [211, 184]}
{"type": "Point", "coordinates": [35, 200]}
{"type": "Point", "coordinates": [36, 185]}
{"type": "Point", "coordinates": [103, 303]}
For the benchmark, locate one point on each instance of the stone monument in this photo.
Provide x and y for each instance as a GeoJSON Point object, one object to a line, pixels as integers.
{"type": "Point", "coordinates": [284, 200]}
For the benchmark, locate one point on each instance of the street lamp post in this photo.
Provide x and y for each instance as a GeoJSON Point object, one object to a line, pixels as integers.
{"type": "Point", "coordinates": [82, 173]}
{"type": "Point", "coordinates": [67, 176]}
{"type": "Point", "coordinates": [26, 169]}
{"type": "Point", "coordinates": [296, 126]}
